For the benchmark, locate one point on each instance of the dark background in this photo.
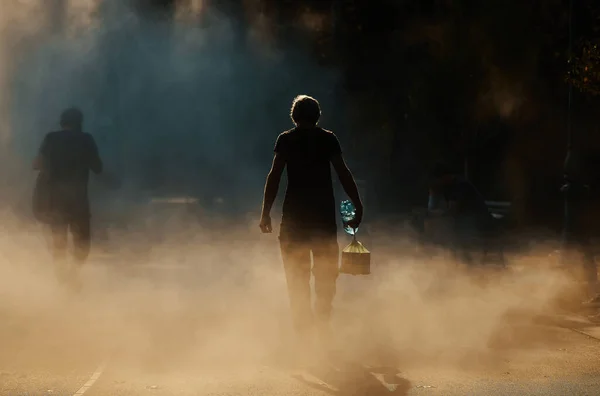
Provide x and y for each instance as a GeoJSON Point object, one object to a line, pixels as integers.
{"type": "Point", "coordinates": [482, 84]}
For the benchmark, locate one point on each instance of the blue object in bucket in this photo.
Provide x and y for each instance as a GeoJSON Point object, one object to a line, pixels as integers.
{"type": "Point", "coordinates": [348, 212]}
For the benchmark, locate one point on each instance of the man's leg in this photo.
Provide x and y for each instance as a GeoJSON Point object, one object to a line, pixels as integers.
{"type": "Point", "coordinates": [296, 263]}
{"type": "Point", "coordinates": [326, 270]}
{"type": "Point", "coordinates": [575, 247]}
{"type": "Point", "coordinates": [462, 249]}
{"type": "Point", "coordinates": [589, 267]}
{"type": "Point", "coordinates": [80, 229]}
{"type": "Point", "coordinates": [59, 248]}
{"type": "Point", "coordinates": [465, 234]}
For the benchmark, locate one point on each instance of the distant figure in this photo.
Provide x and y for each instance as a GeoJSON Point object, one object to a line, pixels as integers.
{"type": "Point", "coordinates": [580, 225]}
{"type": "Point", "coordinates": [309, 214]}
{"type": "Point", "coordinates": [453, 196]}
{"type": "Point", "coordinates": [61, 192]}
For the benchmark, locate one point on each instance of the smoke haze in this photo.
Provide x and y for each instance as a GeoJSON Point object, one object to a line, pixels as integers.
{"type": "Point", "coordinates": [186, 109]}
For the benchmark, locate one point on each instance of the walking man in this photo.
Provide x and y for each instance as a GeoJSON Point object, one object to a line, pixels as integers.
{"type": "Point", "coordinates": [61, 192]}
{"type": "Point", "coordinates": [580, 226]}
{"type": "Point", "coordinates": [309, 217]}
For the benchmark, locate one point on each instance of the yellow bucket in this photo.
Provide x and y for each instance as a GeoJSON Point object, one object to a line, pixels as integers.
{"type": "Point", "coordinates": [356, 259]}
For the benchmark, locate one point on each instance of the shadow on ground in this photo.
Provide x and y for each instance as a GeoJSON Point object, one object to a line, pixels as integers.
{"type": "Point", "coordinates": [349, 379]}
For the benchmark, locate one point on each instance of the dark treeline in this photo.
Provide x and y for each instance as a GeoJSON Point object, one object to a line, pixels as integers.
{"type": "Point", "coordinates": [481, 84]}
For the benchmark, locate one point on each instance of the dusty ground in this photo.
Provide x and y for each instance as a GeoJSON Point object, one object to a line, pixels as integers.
{"type": "Point", "coordinates": [196, 315]}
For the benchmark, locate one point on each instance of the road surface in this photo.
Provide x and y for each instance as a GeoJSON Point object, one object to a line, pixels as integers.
{"type": "Point", "coordinates": [83, 348]}
{"type": "Point", "coordinates": [66, 365]}
{"type": "Point", "coordinates": [220, 328]}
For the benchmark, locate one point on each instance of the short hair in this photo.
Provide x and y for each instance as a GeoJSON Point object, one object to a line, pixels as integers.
{"type": "Point", "coordinates": [71, 117]}
{"type": "Point", "coordinates": [305, 109]}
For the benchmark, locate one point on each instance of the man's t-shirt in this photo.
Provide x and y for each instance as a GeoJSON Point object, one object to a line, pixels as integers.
{"type": "Point", "coordinates": [309, 204]}
{"type": "Point", "coordinates": [66, 159]}
{"type": "Point", "coordinates": [470, 204]}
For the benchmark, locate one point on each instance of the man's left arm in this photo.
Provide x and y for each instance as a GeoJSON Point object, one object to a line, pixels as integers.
{"type": "Point", "coordinates": [95, 163]}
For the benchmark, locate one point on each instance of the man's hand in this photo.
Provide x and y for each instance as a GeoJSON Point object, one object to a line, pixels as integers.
{"type": "Point", "coordinates": [349, 185]}
{"type": "Point", "coordinates": [355, 223]}
{"type": "Point", "coordinates": [271, 187]}
{"type": "Point", "coordinates": [265, 224]}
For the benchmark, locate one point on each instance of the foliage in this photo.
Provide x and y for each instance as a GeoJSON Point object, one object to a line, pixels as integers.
{"type": "Point", "coordinates": [584, 71]}
{"type": "Point", "coordinates": [431, 78]}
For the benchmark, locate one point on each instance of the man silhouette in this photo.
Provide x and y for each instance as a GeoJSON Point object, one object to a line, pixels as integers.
{"type": "Point", "coordinates": [580, 229]}
{"type": "Point", "coordinates": [61, 194]}
{"type": "Point", "coordinates": [309, 213]}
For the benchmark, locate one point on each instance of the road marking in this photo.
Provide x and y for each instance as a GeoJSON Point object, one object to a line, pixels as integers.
{"type": "Point", "coordinates": [381, 378]}
{"type": "Point", "coordinates": [92, 380]}
{"type": "Point", "coordinates": [585, 333]}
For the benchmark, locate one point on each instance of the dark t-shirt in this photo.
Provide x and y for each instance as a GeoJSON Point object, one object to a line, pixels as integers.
{"type": "Point", "coordinates": [66, 159]}
{"type": "Point", "coordinates": [309, 203]}
{"type": "Point", "coordinates": [471, 206]}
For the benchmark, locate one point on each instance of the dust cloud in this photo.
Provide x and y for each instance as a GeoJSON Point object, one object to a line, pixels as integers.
{"type": "Point", "coordinates": [162, 293]}
{"type": "Point", "coordinates": [217, 300]}
{"type": "Point", "coordinates": [175, 103]}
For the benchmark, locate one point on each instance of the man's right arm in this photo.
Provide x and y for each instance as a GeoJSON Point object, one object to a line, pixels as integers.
{"type": "Point", "coordinates": [42, 156]}
{"type": "Point", "coordinates": [349, 185]}
{"type": "Point", "coordinates": [271, 188]}
{"type": "Point", "coordinates": [95, 161]}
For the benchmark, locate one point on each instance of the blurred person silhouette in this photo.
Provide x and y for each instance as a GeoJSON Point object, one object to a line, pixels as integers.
{"type": "Point", "coordinates": [454, 197]}
{"type": "Point", "coordinates": [60, 199]}
{"type": "Point", "coordinates": [309, 215]}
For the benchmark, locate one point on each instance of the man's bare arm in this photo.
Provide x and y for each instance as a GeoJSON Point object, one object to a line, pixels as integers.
{"type": "Point", "coordinates": [348, 183]}
{"type": "Point", "coordinates": [37, 163]}
{"type": "Point", "coordinates": [40, 159]}
{"type": "Point", "coordinates": [96, 165]}
{"type": "Point", "coordinates": [272, 184]}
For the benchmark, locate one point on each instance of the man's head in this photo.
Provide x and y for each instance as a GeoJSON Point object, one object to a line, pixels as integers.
{"type": "Point", "coordinates": [305, 111]}
{"type": "Point", "coordinates": [71, 119]}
